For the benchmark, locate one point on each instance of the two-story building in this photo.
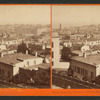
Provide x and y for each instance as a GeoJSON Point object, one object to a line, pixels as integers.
{"type": "Point", "coordinates": [86, 66]}
{"type": "Point", "coordinates": [10, 64]}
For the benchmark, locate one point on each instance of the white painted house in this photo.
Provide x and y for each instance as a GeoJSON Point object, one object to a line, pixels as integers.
{"type": "Point", "coordinates": [2, 47]}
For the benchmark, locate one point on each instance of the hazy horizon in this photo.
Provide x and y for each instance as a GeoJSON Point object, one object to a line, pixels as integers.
{"type": "Point", "coordinates": [75, 15]}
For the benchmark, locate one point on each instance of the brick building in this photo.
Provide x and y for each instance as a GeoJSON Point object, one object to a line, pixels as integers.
{"type": "Point", "coordinates": [88, 66]}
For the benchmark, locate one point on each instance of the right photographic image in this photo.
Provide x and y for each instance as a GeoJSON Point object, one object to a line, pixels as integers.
{"type": "Point", "coordinates": [75, 47]}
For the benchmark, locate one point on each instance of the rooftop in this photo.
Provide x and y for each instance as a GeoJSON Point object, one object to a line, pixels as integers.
{"type": "Point", "coordinates": [91, 59]}
{"type": "Point", "coordinates": [82, 40]}
{"type": "Point", "coordinates": [8, 39]}
{"type": "Point", "coordinates": [44, 65]}
{"type": "Point", "coordinates": [60, 69]}
{"type": "Point", "coordinates": [55, 35]}
{"type": "Point", "coordinates": [77, 52]}
{"type": "Point", "coordinates": [15, 58]}
{"type": "Point", "coordinates": [92, 39]}
{"type": "Point", "coordinates": [12, 47]}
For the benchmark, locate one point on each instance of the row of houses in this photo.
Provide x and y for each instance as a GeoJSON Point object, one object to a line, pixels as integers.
{"type": "Point", "coordinates": [91, 42]}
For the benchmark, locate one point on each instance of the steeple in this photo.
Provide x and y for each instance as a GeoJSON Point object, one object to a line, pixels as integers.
{"type": "Point", "coordinates": [60, 27]}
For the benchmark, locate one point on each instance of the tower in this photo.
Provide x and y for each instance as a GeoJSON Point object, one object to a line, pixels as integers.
{"type": "Point", "coordinates": [60, 27]}
{"type": "Point", "coordinates": [55, 50]}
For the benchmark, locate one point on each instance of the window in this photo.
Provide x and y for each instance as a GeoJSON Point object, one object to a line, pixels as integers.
{"type": "Point", "coordinates": [52, 54]}
{"type": "Point", "coordinates": [9, 74]}
{"type": "Point", "coordinates": [86, 72]}
{"type": "Point", "coordinates": [52, 45]}
{"type": "Point", "coordinates": [0, 71]}
{"type": "Point", "coordinates": [3, 72]}
{"type": "Point", "coordinates": [52, 63]}
{"type": "Point", "coordinates": [75, 68]}
{"type": "Point", "coordinates": [28, 63]}
{"type": "Point", "coordinates": [92, 75]}
{"type": "Point", "coordinates": [78, 70]}
{"type": "Point", "coordinates": [81, 71]}
{"type": "Point", "coordinates": [34, 62]}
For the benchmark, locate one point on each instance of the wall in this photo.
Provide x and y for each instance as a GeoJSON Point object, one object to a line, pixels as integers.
{"type": "Point", "coordinates": [64, 65]}
{"type": "Point", "coordinates": [6, 68]}
{"type": "Point", "coordinates": [66, 81]}
{"type": "Point", "coordinates": [16, 68]}
{"type": "Point", "coordinates": [34, 61]}
{"type": "Point", "coordinates": [55, 50]}
{"type": "Point", "coordinates": [97, 70]}
{"type": "Point", "coordinates": [96, 42]}
{"type": "Point", "coordinates": [10, 42]}
{"type": "Point", "coordinates": [2, 47]}
{"type": "Point", "coordinates": [25, 64]}
{"type": "Point", "coordinates": [67, 44]}
{"type": "Point", "coordinates": [84, 48]}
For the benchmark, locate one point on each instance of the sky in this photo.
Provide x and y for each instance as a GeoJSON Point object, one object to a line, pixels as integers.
{"type": "Point", "coordinates": [24, 14]}
{"type": "Point", "coordinates": [75, 15]}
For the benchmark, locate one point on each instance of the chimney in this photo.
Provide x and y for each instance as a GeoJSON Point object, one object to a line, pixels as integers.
{"type": "Point", "coordinates": [1, 54]}
{"type": "Point", "coordinates": [26, 52]}
{"type": "Point", "coordinates": [86, 42]}
{"type": "Point", "coordinates": [43, 47]}
{"type": "Point", "coordinates": [84, 55]}
{"type": "Point", "coordinates": [36, 54]}
{"type": "Point", "coordinates": [2, 41]}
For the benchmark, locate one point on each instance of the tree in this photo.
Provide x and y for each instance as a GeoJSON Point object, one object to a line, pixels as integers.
{"type": "Point", "coordinates": [22, 48]}
{"type": "Point", "coordinates": [66, 53]}
{"type": "Point", "coordinates": [46, 51]}
{"type": "Point", "coordinates": [70, 72]}
{"type": "Point", "coordinates": [19, 78]}
{"type": "Point", "coordinates": [97, 80]}
{"type": "Point", "coordinates": [43, 77]}
{"type": "Point", "coordinates": [85, 78]}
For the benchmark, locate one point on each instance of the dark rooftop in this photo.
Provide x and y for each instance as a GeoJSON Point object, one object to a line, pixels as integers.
{"type": "Point", "coordinates": [91, 59]}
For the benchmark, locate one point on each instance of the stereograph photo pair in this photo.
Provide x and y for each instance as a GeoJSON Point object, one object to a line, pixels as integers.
{"type": "Point", "coordinates": [50, 47]}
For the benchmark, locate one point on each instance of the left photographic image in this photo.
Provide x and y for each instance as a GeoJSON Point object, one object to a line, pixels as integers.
{"type": "Point", "coordinates": [25, 46]}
